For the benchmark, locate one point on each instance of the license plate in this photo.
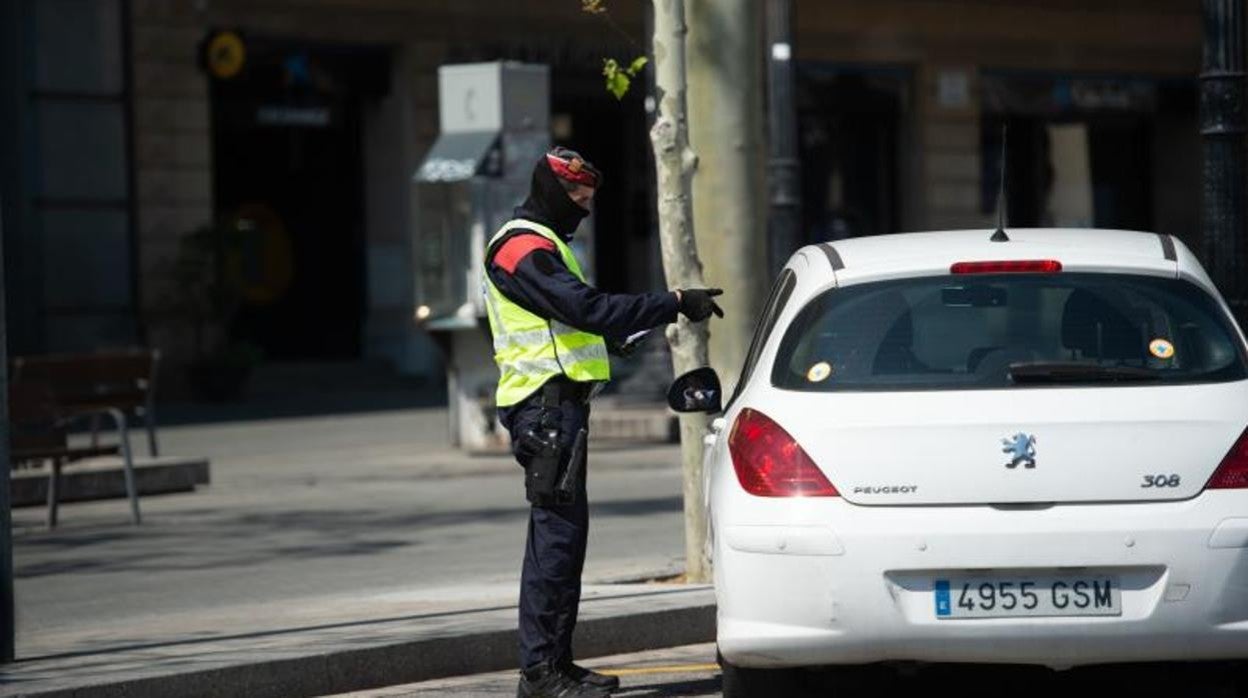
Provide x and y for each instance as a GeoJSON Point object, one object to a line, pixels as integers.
{"type": "Point", "coordinates": [1008, 597]}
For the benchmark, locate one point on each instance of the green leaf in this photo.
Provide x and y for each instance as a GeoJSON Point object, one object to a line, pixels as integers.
{"type": "Point", "coordinates": [637, 64]}
{"type": "Point", "coordinates": [618, 85]}
{"type": "Point", "coordinates": [617, 80]}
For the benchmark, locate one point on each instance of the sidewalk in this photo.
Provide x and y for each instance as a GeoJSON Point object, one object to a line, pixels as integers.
{"type": "Point", "coordinates": [320, 535]}
{"type": "Point", "coordinates": [406, 639]}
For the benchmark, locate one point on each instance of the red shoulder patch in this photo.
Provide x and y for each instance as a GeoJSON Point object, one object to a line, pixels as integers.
{"type": "Point", "coordinates": [516, 249]}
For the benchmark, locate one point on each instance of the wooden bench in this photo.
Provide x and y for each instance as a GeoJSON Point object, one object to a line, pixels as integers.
{"type": "Point", "coordinates": [92, 383]}
{"type": "Point", "coordinates": [49, 395]}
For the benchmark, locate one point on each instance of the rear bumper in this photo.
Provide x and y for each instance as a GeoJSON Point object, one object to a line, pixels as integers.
{"type": "Point", "coordinates": [821, 581]}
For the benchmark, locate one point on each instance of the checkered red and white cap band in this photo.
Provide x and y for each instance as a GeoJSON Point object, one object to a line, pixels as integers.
{"type": "Point", "coordinates": [573, 169]}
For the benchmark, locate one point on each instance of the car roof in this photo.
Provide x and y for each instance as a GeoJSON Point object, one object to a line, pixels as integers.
{"type": "Point", "coordinates": [1078, 249]}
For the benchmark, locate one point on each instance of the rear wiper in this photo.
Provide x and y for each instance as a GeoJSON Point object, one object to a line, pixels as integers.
{"type": "Point", "coordinates": [1077, 372]}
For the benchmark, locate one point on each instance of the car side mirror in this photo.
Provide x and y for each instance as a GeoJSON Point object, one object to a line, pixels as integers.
{"type": "Point", "coordinates": [696, 391]}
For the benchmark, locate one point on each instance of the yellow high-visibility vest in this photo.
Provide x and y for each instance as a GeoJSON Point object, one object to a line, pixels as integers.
{"type": "Point", "coordinates": [529, 349]}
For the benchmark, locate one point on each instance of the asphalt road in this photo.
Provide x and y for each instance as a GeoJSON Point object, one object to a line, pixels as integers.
{"type": "Point", "coordinates": [677, 671]}
{"type": "Point", "coordinates": [320, 518]}
{"type": "Point", "coordinates": [692, 671]}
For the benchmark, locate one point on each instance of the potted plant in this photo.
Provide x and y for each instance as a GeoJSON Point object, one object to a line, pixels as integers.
{"type": "Point", "coordinates": [207, 297]}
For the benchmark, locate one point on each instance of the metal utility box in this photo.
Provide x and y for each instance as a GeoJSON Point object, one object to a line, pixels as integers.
{"type": "Point", "coordinates": [494, 127]}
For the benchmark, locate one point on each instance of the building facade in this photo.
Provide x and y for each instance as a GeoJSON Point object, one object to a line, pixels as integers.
{"type": "Point", "coordinates": [297, 125]}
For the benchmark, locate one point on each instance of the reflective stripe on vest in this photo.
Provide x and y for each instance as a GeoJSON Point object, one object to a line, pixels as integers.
{"type": "Point", "coordinates": [530, 350]}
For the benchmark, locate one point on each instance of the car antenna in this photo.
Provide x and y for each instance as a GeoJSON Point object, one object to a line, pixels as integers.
{"type": "Point", "coordinates": [999, 235]}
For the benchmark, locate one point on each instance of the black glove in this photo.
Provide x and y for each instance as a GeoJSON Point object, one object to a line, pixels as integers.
{"type": "Point", "coordinates": [697, 304]}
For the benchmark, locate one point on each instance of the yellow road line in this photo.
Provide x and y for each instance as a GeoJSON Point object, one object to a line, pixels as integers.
{"type": "Point", "coordinates": [671, 669]}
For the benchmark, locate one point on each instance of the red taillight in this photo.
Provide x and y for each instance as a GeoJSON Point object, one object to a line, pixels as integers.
{"type": "Point", "coordinates": [1022, 266]}
{"type": "Point", "coordinates": [770, 463]}
{"type": "Point", "coordinates": [1232, 473]}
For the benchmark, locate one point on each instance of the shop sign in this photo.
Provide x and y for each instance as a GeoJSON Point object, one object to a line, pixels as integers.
{"type": "Point", "coordinates": [304, 117]}
{"type": "Point", "coordinates": [225, 55]}
{"type": "Point", "coordinates": [1040, 96]}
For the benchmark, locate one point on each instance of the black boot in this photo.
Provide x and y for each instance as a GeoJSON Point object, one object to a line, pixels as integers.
{"type": "Point", "coordinates": [589, 677]}
{"type": "Point", "coordinates": [547, 681]}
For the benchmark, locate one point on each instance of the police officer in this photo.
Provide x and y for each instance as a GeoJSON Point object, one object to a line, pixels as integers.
{"type": "Point", "coordinates": [552, 332]}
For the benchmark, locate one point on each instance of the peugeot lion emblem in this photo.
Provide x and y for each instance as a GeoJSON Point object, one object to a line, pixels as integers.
{"type": "Point", "coordinates": [1021, 449]}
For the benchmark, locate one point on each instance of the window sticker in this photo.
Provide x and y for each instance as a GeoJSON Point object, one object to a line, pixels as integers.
{"type": "Point", "coordinates": [1161, 348]}
{"type": "Point", "coordinates": [819, 372]}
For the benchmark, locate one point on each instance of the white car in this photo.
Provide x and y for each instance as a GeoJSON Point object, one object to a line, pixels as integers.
{"type": "Point", "coordinates": [945, 448]}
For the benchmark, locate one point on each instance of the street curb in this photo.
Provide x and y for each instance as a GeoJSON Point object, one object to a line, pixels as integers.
{"type": "Point", "coordinates": [405, 662]}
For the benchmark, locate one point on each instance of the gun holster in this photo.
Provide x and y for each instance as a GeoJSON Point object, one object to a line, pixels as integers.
{"type": "Point", "coordinates": [542, 472]}
{"type": "Point", "coordinates": [570, 480]}
{"type": "Point", "coordinates": [553, 474]}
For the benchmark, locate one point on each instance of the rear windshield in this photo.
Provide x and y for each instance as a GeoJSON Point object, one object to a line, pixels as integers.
{"type": "Point", "coordinates": [1002, 330]}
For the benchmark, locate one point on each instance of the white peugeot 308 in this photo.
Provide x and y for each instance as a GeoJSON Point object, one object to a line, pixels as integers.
{"type": "Point", "coordinates": [945, 448]}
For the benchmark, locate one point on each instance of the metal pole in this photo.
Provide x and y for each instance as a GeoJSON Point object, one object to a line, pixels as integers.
{"type": "Point", "coordinates": [11, 94]}
{"type": "Point", "coordinates": [7, 621]}
{"type": "Point", "coordinates": [1222, 128]}
{"type": "Point", "coordinates": [784, 219]}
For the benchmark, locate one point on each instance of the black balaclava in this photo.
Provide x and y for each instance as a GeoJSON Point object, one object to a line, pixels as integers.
{"type": "Point", "coordinates": [548, 201]}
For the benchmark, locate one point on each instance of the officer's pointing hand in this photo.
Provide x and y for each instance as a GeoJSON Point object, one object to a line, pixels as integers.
{"type": "Point", "coordinates": [697, 304]}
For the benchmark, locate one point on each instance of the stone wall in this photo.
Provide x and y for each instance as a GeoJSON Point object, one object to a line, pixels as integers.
{"type": "Point", "coordinates": [172, 153]}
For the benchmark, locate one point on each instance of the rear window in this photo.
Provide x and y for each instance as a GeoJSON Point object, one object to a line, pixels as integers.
{"type": "Point", "coordinates": [1002, 330]}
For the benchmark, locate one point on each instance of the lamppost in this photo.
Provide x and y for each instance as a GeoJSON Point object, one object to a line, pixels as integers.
{"type": "Point", "coordinates": [10, 96]}
{"type": "Point", "coordinates": [784, 216]}
{"type": "Point", "coordinates": [7, 622]}
{"type": "Point", "coordinates": [1222, 128]}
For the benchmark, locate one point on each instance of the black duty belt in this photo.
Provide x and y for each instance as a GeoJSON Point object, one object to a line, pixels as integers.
{"type": "Point", "coordinates": [556, 391]}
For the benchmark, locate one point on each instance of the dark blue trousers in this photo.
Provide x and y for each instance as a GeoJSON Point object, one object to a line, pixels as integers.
{"type": "Point", "coordinates": [554, 554]}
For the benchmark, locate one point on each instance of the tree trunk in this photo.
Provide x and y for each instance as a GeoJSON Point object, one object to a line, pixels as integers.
{"type": "Point", "coordinates": [675, 163]}
{"type": "Point", "coordinates": [725, 78]}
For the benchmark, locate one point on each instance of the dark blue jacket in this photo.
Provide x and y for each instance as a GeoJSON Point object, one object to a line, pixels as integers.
{"type": "Point", "coordinates": [527, 269]}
